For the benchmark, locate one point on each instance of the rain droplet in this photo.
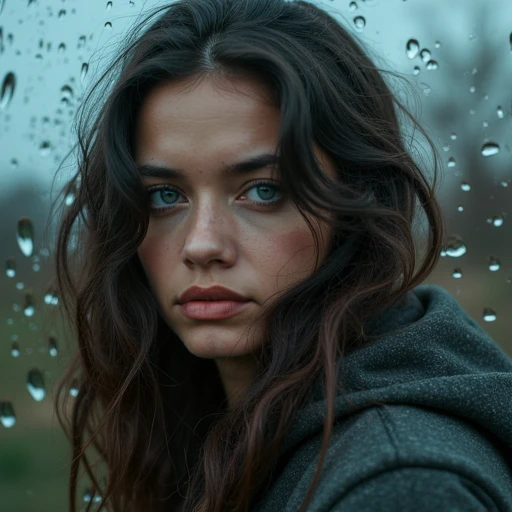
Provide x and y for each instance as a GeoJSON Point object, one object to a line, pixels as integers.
{"type": "Point", "coordinates": [457, 273]}
{"type": "Point", "coordinates": [438, 44]}
{"type": "Point", "coordinates": [489, 315]}
{"type": "Point", "coordinates": [451, 162]}
{"type": "Point", "coordinates": [494, 264]}
{"type": "Point", "coordinates": [83, 72]}
{"type": "Point", "coordinates": [51, 298]}
{"type": "Point", "coordinates": [8, 86]}
{"type": "Point", "coordinates": [61, 48]}
{"type": "Point", "coordinates": [62, 14]}
{"type": "Point", "coordinates": [45, 148]}
{"type": "Point", "coordinates": [416, 70]}
{"type": "Point", "coordinates": [108, 25]}
{"type": "Point", "coordinates": [73, 389]}
{"type": "Point", "coordinates": [359, 22]}
{"type": "Point", "coordinates": [499, 111]}
{"type": "Point", "coordinates": [7, 416]}
{"type": "Point", "coordinates": [20, 285]}
{"type": "Point", "coordinates": [432, 64]}
{"type": "Point", "coordinates": [425, 55]}
{"type": "Point", "coordinates": [109, 6]}
{"type": "Point", "coordinates": [460, 208]}
{"type": "Point", "coordinates": [453, 136]}
{"type": "Point", "coordinates": [66, 93]}
{"type": "Point", "coordinates": [25, 236]}
{"type": "Point", "coordinates": [10, 267]}
{"type": "Point", "coordinates": [446, 147]}
{"type": "Point", "coordinates": [497, 220]}
{"type": "Point", "coordinates": [455, 246]}
{"type": "Point", "coordinates": [52, 346]}
{"type": "Point", "coordinates": [88, 496]}
{"type": "Point", "coordinates": [412, 48]}
{"type": "Point", "coordinates": [35, 384]}
{"type": "Point", "coordinates": [472, 88]}
{"type": "Point", "coordinates": [15, 349]}
{"type": "Point", "coordinates": [352, 6]}
{"type": "Point", "coordinates": [465, 186]}
{"type": "Point", "coordinates": [490, 148]}
{"type": "Point", "coordinates": [29, 309]}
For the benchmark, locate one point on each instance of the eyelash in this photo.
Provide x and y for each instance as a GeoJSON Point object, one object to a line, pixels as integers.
{"type": "Point", "coordinates": [273, 184]}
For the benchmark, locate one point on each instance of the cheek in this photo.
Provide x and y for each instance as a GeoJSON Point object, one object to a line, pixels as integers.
{"type": "Point", "coordinates": [153, 255]}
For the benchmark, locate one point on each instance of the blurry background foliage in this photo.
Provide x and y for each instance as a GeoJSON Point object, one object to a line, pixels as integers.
{"type": "Point", "coordinates": [459, 56]}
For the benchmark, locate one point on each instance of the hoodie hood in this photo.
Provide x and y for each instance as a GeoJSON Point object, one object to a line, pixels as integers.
{"type": "Point", "coordinates": [440, 358]}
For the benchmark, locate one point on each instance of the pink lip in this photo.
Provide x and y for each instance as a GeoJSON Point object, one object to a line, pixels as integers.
{"type": "Point", "coordinates": [212, 310]}
{"type": "Point", "coordinates": [196, 293]}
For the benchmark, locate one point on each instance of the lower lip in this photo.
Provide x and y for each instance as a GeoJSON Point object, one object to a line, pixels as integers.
{"type": "Point", "coordinates": [212, 309]}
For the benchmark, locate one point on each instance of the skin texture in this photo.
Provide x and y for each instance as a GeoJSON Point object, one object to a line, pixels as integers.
{"type": "Point", "coordinates": [217, 234]}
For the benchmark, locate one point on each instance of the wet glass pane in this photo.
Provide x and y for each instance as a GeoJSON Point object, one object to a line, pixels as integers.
{"type": "Point", "coordinates": [459, 55]}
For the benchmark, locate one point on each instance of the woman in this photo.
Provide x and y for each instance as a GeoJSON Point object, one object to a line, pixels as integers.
{"type": "Point", "coordinates": [253, 146]}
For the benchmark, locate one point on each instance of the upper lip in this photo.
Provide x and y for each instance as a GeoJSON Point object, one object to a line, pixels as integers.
{"type": "Point", "coordinates": [212, 293]}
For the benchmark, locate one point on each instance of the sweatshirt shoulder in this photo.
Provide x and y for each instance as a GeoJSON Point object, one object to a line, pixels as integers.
{"type": "Point", "coordinates": [384, 444]}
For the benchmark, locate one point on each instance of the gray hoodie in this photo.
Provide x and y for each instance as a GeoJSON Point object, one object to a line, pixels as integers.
{"type": "Point", "coordinates": [441, 440]}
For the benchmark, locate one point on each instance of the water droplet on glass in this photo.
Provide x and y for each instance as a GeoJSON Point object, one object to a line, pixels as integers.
{"type": "Point", "coordinates": [51, 298]}
{"type": "Point", "coordinates": [472, 111]}
{"type": "Point", "coordinates": [432, 64]}
{"type": "Point", "coordinates": [412, 48]}
{"type": "Point", "coordinates": [457, 273]}
{"type": "Point", "coordinates": [109, 6]}
{"type": "Point", "coordinates": [73, 389]}
{"type": "Point", "coordinates": [352, 6]}
{"type": "Point", "coordinates": [446, 147]}
{"type": "Point", "coordinates": [61, 48]}
{"type": "Point", "coordinates": [465, 186]}
{"type": "Point", "coordinates": [29, 309]}
{"type": "Point", "coordinates": [45, 148]}
{"type": "Point", "coordinates": [416, 70]}
{"type": "Point", "coordinates": [7, 92]}
{"type": "Point", "coordinates": [15, 349]}
{"type": "Point", "coordinates": [499, 111]}
{"type": "Point", "coordinates": [438, 44]}
{"type": "Point", "coordinates": [25, 236]}
{"type": "Point", "coordinates": [62, 14]}
{"type": "Point", "coordinates": [453, 136]}
{"type": "Point", "coordinates": [10, 267]}
{"type": "Point", "coordinates": [490, 148]}
{"type": "Point", "coordinates": [460, 208]}
{"type": "Point", "coordinates": [485, 124]}
{"type": "Point", "coordinates": [66, 93]}
{"type": "Point", "coordinates": [36, 267]}
{"type": "Point", "coordinates": [451, 162]}
{"type": "Point", "coordinates": [472, 88]}
{"type": "Point", "coordinates": [7, 416]}
{"type": "Point", "coordinates": [359, 22]}
{"type": "Point", "coordinates": [494, 264]}
{"type": "Point", "coordinates": [489, 315]}
{"type": "Point", "coordinates": [20, 285]}
{"type": "Point", "coordinates": [497, 220]}
{"type": "Point", "coordinates": [35, 385]}
{"type": "Point", "coordinates": [88, 496]}
{"type": "Point", "coordinates": [425, 55]}
{"type": "Point", "coordinates": [52, 346]}
{"type": "Point", "coordinates": [83, 72]}
{"type": "Point", "coordinates": [455, 246]}
{"type": "Point", "coordinates": [108, 25]}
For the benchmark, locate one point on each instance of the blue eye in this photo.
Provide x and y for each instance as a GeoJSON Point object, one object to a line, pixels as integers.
{"type": "Point", "coordinates": [169, 195]}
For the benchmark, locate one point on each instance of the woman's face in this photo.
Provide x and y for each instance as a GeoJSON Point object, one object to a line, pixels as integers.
{"type": "Point", "coordinates": [216, 234]}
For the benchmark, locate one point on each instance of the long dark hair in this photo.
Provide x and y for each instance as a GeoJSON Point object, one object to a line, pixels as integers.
{"type": "Point", "coordinates": [156, 414]}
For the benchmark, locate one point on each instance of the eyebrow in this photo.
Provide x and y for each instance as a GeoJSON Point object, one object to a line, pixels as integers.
{"type": "Point", "coordinates": [252, 164]}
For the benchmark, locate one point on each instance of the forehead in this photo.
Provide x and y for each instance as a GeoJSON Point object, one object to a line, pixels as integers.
{"type": "Point", "coordinates": [190, 124]}
{"type": "Point", "coordinates": [205, 118]}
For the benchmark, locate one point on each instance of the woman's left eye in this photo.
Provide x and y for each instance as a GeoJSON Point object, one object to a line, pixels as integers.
{"type": "Point", "coordinates": [168, 195]}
